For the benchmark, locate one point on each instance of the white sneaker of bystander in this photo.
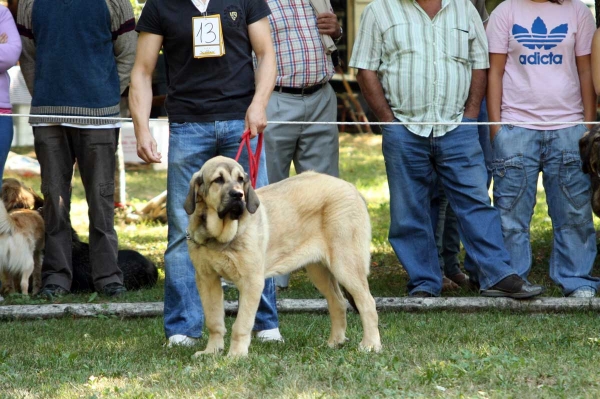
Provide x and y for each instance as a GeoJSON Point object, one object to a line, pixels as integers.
{"type": "Point", "coordinates": [181, 340]}
{"type": "Point", "coordinates": [272, 335]}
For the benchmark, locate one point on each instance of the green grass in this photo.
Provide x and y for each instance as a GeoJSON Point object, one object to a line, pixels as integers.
{"type": "Point", "coordinates": [434, 354]}
{"type": "Point", "coordinates": [445, 355]}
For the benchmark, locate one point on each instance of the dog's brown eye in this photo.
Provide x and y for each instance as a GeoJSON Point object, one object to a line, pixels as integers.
{"type": "Point", "coordinates": [241, 179]}
{"type": "Point", "coordinates": [219, 180]}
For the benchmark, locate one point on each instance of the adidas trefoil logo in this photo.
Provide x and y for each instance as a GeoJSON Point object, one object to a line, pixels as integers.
{"type": "Point", "coordinates": [539, 38]}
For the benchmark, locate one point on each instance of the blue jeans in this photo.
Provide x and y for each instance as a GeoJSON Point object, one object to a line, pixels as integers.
{"type": "Point", "coordinates": [447, 234]}
{"type": "Point", "coordinates": [190, 145]}
{"type": "Point", "coordinates": [447, 237]}
{"type": "Point", "coordinates": [6, 137]}
{"type": "Point", "coordinates": [519, 155]}
{"type": "Point", "coordinates": [411, 164]}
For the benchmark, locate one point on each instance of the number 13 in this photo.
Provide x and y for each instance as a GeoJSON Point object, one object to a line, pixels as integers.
{"type": "Point", "coordinates": [206, 31]}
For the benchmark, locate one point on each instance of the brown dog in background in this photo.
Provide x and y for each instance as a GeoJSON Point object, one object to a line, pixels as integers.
{"type": "Point", "coordinates": [17, 195]}
{"type": "Point", "coordinates": [21, 239]}
{"type": "Point", "coordinates": [589, 151]}
{"type": "Point", "coordinates": [138, 271]}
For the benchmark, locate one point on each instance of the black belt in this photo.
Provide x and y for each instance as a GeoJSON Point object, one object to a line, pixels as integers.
{"type": "Point", "coordinates": [304, 91]}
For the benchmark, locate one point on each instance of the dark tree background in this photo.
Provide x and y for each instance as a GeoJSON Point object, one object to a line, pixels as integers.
{"type": "Point", "coordinates": [491, 4]}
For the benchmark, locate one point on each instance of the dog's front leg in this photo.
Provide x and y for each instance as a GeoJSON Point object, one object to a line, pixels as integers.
{"type": "Point", "coordinates": [211, 294]}
{"type": "Point", "coordinates": [250, 288]}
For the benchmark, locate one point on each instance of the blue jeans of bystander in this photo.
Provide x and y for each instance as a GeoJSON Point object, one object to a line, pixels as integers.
{"type": "Point", "coordinates": [519, 155]}
{"type": "Point", "coordinates": [6, 138]}
{"type": "Point", "coordinates": [190, 145]}
{"type": "Point", "coordinates": [447, 234]}
{"type": "Point", "coordinates": [457, 158]}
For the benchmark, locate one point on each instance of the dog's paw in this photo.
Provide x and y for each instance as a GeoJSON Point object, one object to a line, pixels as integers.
{"type": "Point", "coordinates": [336, 342]}
{"type": "Point", "coordinates": [238, 353]}
{"type": "Point", "coordinates": [370, 347]}
{"type": "Point", "coordinates": [207, 351]}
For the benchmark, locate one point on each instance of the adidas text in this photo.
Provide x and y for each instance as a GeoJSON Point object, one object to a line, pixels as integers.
{"type": "Point", "coordinates": [538, 59]}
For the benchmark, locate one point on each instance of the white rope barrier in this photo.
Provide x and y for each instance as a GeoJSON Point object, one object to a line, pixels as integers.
{"type": "Point", "coordinates": [434, 123]}
{"type": "Point", "coordinates": [113, 119]}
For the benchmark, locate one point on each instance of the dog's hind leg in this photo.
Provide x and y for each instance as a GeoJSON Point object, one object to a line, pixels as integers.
{"type": "Point", "coordinates": [37, 271]}
{"type": "Point", "coordinates": [350, 272]}
{"type": "Point", "coordinates": [7, 283]}
{"type": "Point", "coordinates": [211, 295]}
{"type": "Point", "coordinates": [322, 278]}
{"type": "Point", "coordinates": [27, 271]}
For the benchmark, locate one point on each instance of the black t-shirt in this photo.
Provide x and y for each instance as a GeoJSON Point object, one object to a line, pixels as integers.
{"type": "Point", "coordinates": [205, 89]}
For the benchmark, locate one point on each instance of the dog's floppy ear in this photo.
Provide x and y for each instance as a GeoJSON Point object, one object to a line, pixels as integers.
{"type": "Point", "coordinates": [252, 201]}
{"type": "Point", "coordinates": [190, 201]}
{"type": "Point", "coordinates": [38, 202]}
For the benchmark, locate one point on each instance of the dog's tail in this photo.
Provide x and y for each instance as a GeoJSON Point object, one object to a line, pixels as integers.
{"type": "Point", "coordinates": [6, 225]}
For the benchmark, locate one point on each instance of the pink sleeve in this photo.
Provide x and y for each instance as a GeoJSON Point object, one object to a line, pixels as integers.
{"type": "Point", "coordinates": [11, 50]}
{"type": "Point", "coordinates": [498, 29]}
{"type": "Point", "coordinates": [586, 26]}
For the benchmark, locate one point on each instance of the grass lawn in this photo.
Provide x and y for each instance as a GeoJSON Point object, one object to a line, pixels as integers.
{"type": "Point", "coordinates": [434, 354]}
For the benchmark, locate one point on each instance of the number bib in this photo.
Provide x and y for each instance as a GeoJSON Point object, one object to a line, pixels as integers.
{"type": "Point", "coordinates": [208, 36]}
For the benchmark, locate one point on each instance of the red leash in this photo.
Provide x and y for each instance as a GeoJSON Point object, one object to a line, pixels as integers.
{"type": "Point", "coordinates": [253, 158]}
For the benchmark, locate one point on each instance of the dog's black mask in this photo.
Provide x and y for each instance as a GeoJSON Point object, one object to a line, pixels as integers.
{"type": "Point", "coordinates": [233, 208]}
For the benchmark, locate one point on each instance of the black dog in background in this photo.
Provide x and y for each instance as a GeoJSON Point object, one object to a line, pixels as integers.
{"type": "Point", "coordinates": [138, 271]}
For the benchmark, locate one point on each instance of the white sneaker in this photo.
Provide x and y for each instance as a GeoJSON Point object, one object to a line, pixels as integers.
{"type": "Point", "coordinates": [181, 340]}
{"type": "Point", "coordinates": [272, 335]}
{"type": "Point", "coordinates": [583, 292]}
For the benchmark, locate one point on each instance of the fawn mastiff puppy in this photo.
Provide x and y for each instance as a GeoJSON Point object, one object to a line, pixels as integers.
{"type": "Point", "coordinates": [311, 220]}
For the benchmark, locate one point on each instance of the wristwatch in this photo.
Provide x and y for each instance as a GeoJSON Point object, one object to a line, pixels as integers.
{"type": "Point", "coordinates": [340, 36]}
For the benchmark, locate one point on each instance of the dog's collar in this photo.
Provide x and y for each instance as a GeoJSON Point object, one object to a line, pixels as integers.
{"type": "Point", "coordinates": [189, 238]}
{"type": "Point", "coordinates": [203, 244]}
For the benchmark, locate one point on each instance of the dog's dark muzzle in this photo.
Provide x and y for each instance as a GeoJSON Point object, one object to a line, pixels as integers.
{"type": "Point", "coordinates": [234, 207]}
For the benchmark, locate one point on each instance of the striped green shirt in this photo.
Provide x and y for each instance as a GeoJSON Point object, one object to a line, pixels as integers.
{"type": "Point", "coordinates": [424, 65]}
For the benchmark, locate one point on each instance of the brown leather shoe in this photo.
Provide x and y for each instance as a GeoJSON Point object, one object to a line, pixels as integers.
{"type": "Point", "coordinates": [421, 294]}
{"type": "Point", "coordinates": [449, 285]}
{"type": "Point", "coordinates": [460, 278]}
{"type": "Point", "coordinates": [515, 287]}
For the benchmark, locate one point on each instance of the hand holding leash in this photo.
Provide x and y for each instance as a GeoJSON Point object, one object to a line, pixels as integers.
{"type": "Point", "coordinates": [253, 158]}
{"type": "Point", "coordinates": [256, 119]}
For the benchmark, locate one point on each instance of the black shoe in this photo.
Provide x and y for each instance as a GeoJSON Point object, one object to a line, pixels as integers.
{"type": "Point", "coordinates": [113, 289]}
{"type": "Point", "coordinates": [515, 287]}
{"type": "Point", "coordinates": [421, 294]}
{"type": "Point", "coordinates": [51, 291]}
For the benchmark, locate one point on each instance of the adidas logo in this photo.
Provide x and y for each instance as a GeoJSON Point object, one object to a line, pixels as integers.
{"type": "Point", "coordinates": [539, 59]}
{"type": "Point", "coordinates": [539, 38]}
